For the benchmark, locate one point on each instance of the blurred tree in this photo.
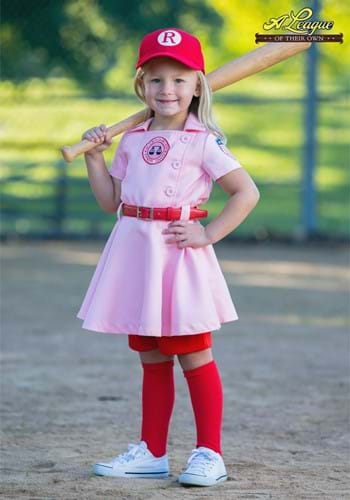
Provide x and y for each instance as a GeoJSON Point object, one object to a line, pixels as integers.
{"type": "Point", "coordinates": [84, 39]}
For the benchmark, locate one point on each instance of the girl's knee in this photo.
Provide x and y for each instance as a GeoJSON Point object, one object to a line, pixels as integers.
{"type": "Point", "coordinates": [193, 360]}
{"type": "Point", "coordinates": [154, 356]}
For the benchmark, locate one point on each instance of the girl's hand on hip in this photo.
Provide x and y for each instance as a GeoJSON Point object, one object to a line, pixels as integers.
{"type": "Point", "coordinates": [186, 234]}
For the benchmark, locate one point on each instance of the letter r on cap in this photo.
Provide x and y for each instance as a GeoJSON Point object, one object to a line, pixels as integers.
{"type": "Point", "coordinates": [169, 38]}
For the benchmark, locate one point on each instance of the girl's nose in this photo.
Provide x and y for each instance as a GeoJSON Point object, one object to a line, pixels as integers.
{"type": "Point", "coordinates": [166, 88]}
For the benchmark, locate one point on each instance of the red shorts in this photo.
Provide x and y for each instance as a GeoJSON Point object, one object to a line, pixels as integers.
{"type": "Point", "coordinates": [181, 344]}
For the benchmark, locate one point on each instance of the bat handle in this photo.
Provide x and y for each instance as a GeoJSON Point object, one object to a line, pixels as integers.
{"type": "Point", "coordinates": [71, 152]}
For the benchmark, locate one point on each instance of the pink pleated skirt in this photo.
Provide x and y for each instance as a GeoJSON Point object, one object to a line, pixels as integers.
{"type": "Point", "coordinates": [144, 286]}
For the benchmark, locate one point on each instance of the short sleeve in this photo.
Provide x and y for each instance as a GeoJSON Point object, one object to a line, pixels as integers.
{"type": "Point", "coordinates": [217, 159]}
{"type": "Point", "coordinates": [120, 161]}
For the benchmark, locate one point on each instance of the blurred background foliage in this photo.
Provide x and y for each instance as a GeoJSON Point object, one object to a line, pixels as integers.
{"type": "Point", "coordinates": [68, 65]}
{"type": "Point", "coordinates": [86, 39]}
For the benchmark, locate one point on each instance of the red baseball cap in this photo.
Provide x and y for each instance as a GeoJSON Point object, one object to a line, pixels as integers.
{"type": "Point", "coordinates": [174, 43]}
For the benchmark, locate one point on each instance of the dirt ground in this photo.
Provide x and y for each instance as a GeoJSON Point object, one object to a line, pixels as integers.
{"type": "Point", "coordinates": [71, 397]}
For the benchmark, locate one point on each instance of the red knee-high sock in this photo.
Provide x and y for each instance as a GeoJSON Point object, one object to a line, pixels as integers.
{"type": "Point", "coordinates": [206, 393]}
{"type": "Point", "coordinates": [158, 396]}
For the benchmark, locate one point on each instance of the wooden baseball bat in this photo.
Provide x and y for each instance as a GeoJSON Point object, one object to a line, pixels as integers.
{"type": "Point", "coordinates": [253, 62]}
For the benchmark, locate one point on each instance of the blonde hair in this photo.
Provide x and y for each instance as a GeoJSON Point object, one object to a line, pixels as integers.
{"type": "Point", "coordinates": [200, 106]}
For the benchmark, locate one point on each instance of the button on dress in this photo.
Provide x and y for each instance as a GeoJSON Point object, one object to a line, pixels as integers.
{"type": "Point", "coordinates": [141, 284]}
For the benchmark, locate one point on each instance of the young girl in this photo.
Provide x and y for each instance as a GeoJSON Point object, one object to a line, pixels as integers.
{"type": "Point", "coordinates": [158, 279]}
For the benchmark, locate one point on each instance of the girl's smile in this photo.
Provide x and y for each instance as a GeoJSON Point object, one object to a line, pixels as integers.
{"type": "Point", "coordinates": [163, 101]}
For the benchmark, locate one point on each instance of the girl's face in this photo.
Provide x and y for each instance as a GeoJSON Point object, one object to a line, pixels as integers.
{"type": "Point", "coordinates": [169, 87]}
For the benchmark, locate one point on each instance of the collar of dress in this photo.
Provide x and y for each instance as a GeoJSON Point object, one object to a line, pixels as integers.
{"type": "Point", "coordinates": [192, 124]}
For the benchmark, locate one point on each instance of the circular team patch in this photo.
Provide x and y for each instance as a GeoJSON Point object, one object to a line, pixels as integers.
{"type": "Point", "coordinates": [155, 150]}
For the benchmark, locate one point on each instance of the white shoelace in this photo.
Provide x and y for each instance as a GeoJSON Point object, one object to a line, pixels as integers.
{"type": "Point", "coordinates": [200, 461]}
{"type": "Point", "coordinates": [133, 451]}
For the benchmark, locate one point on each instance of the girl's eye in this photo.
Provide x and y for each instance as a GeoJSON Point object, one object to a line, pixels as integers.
{"type": "Point", "coordinates": [157, 80]}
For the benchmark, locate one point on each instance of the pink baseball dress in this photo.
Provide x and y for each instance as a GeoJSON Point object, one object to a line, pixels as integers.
{"type": "Point", "coordinates": [143, 285]}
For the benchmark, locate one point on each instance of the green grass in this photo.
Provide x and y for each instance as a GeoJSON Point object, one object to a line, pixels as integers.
{"type": "Point", "coordinates": [266, 136]}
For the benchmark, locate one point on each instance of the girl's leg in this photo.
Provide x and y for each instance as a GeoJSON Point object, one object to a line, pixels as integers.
{"type": "Point", "coordinates": [204, 383]}
{"type": "Point", "coordinates": [158, 396]}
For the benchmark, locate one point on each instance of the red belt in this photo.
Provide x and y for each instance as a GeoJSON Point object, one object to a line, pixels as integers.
{"type": "Point", "coordinates": [168, 213]}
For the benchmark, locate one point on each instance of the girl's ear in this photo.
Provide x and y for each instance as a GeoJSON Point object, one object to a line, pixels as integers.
{"type": "Point", "coordinates": [142, 84]}
{"type": "Point", "coordinates": [197, 92]}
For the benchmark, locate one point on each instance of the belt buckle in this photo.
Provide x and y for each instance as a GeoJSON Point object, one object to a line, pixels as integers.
{"type": "Point", "coordinates": [138, 212]}
{"type": "Point", "coordinates": [151, 213]}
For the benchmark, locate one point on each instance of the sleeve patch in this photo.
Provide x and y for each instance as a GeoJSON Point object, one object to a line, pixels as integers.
{"type": "Point", "coordinates": [223, 148]}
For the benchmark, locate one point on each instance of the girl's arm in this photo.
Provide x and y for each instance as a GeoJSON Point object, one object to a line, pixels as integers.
{"type": "Point", "coordinates": [106, 192]}
{"type": "Point", "coordinates": [244, 195]}
{"type": "Point", "coordinates": [105, 187]}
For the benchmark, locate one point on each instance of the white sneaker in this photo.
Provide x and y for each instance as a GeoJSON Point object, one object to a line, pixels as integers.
{"type": "Point", "coordinates": [138, 461]}
{"type": "Point", "coordinates": [205, 467]}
